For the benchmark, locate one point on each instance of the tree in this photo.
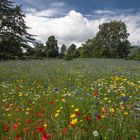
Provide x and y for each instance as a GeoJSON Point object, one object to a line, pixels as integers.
{"type": "Point", "coordinates": [135, 55]}
{"type": "Point", "coordinates": [63, 50]}
{"type": "Point", "coordinates": [39, 50]}
{"type": "Point", "coordinates": [110, 41]}
{"type": "Point", "coordinates": [71, 50]}
{"type": "Point", "coordinates": [13, 30]}
{"type": "Point", "coordinates": [51, 47]}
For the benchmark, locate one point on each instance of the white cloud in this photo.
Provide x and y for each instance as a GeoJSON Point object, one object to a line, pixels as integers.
{"type": "Point", "coordinates": [73, 27]}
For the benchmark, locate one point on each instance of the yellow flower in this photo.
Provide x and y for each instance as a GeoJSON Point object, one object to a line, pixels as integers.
{"type": "Point", "coordinates": [73, 122]}
{"type": "Point", "coordinates": [109, 101]}
{"type": "Point", "coordinates": [45, 125]}
{"type": "Point", "coordinates": [20, 94]}
{"type": "Point", "coordinates": [112, 110]}
{"type": "Point", "coordinates": [105, 98]}
{"type": "Point", "coordinates": [56, 115]}
{"type": "Point", "coordinates": [125, 113]}
{"type": "Point", "coordinates": [73, 115]}
{"type": "Point", "coordinates": [76, 109]}
{"type": "Point", "coordinates": [63, 100]}
{"type": "Point", "coordinates": [122, 107]}
{"type": "Point", "coordinates": [61, 107]}
{"type": "Point", "coordinates": [28, 109]}
{"type": "Point", "coordinates": [123, 94]}
{"type": "Point", "coordinates": [72, 106]}
{"type": "Point", "coordinates": [58, 111]}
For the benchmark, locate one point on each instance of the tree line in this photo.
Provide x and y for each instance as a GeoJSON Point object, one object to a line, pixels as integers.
{"type": "Point", "coordinates": [111, 41]}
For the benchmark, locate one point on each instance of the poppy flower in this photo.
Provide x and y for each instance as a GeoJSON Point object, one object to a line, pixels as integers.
{"type": "Point", "coordinates": [5, 128]}
{"type": "Point", "coordinates": [95, 93]}
{"type": "Point", "coordinates": [14, 126]}
{"type": "Point", "coordinates": [38, 114]}
{"type": "Point", "coordinates": [77, 113]}
{"type": "Point", "coordinates": [25, 129]}
{"type": "Point", "coordinates": [88, 118]}
{"type": "Point", "coordinates": [46, 136]}
{"type": "Point", "coordinates": [52, 102]}
{"type": "Point", "coordinates": [27, 121]}
{"type": "Point", "coordinates": [64, 131]}
{"type": "Point", "coordinates": [41, 129]}
{"type": "Point", "coordinates": [99, 117]}
{"type": "Point", "coordinates": [18, 137]}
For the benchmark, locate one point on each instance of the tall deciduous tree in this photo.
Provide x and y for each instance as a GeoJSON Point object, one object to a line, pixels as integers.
{"type": "Point", "coordinates": [112, 38]}
{"type": "Point", "coordinates": [110, 41]}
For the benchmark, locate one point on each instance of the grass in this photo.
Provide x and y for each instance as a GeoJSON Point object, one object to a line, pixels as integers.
{"type": "Point", "coordinates": [84, 99]}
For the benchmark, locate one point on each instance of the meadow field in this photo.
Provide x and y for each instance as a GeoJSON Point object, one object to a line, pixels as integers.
{"type": "Point", "coordinates": [83, 99]}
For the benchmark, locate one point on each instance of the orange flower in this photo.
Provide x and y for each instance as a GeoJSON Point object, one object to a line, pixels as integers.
{"type": "Point", "coordinates": [103, 109]}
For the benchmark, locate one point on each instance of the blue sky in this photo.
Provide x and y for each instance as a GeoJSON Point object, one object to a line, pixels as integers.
{"type": "Point", "coordinates": [74, 21]}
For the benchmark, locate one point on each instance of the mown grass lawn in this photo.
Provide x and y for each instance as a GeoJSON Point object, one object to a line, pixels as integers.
{"type": "Point", "coordinates": [83, 99]}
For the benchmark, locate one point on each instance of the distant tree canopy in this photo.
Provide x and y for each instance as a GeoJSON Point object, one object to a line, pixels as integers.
{"type": "Point", "coordinates": [111, 41]}
{"type": "Point", "coordinates": [72, 51]}
{"type": "Point", "coordinates": [13, 30]}
{"type": "Point", "coordinates": [51, 48]}
{"type": "Point", "coordinates": [136, 54]}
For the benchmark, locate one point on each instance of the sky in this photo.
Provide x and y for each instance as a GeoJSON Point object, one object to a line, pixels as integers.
{"type": "Point", "coordinates": [75, 21]}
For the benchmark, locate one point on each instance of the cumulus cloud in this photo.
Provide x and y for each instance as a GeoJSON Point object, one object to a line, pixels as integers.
{"type": "Point", "coordinates": [73, 27]}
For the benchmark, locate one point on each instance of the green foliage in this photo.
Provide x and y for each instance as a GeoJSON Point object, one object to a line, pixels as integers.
{"type": "Point", "coordinates": [63, 50]}
{"type": "Point", "coordinates": [13, 30]}
{"type": "Point", "coordinates": [51, 48]}
{"type": "Point", "coordinates": [39, 50]}
{"type": "Point", "coordinates": [68, 57]}
{"type": "Point", "coordinates": [71, 51]}
{"type": "Point", "coordinates": [111, 41]}
{"type": "Point", "coordinates": [136, 55]}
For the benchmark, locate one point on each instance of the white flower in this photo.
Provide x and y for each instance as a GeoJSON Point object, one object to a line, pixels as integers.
{"type": "Point", "coordinates": [95, 133]}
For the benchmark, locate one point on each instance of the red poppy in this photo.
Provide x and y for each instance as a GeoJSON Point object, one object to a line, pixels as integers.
{"type": "Point", "coordinates": [14, 126]}
{"type": "Point", "coordinates": [95, 93]}
{"type": "Point", "coordinates": [18, 137]}
{"type": "Point", "coordinates": [77, 113]}
{"type": "Point", "coordinates": [5, 128]}
{"type": "Point", "coordinates": [27, 121]}
{"type": "Point", "coordinates": [99, 117]}
{"type": "Point", "coordinates": [52, 102]}
{"type": "Point", "coordinates": [38, 114]}
{"type": "Point", "coordinates": [64, 131]}
{"type": "Point", "coordinates": [88, 118]}
{"type": "Point", "coordinates": [25, 129]}
{"type": "Point", "coordinates": [41, 129]}
{"type": "Point", "coordinates": [46, 136]}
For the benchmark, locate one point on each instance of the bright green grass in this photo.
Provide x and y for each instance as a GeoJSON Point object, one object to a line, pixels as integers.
{"type": "Point", "coordinates": [102, 95]}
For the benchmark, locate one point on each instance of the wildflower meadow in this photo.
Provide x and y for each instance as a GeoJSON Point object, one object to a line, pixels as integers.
{"type": "Point", "coordinates": [83, 99]}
